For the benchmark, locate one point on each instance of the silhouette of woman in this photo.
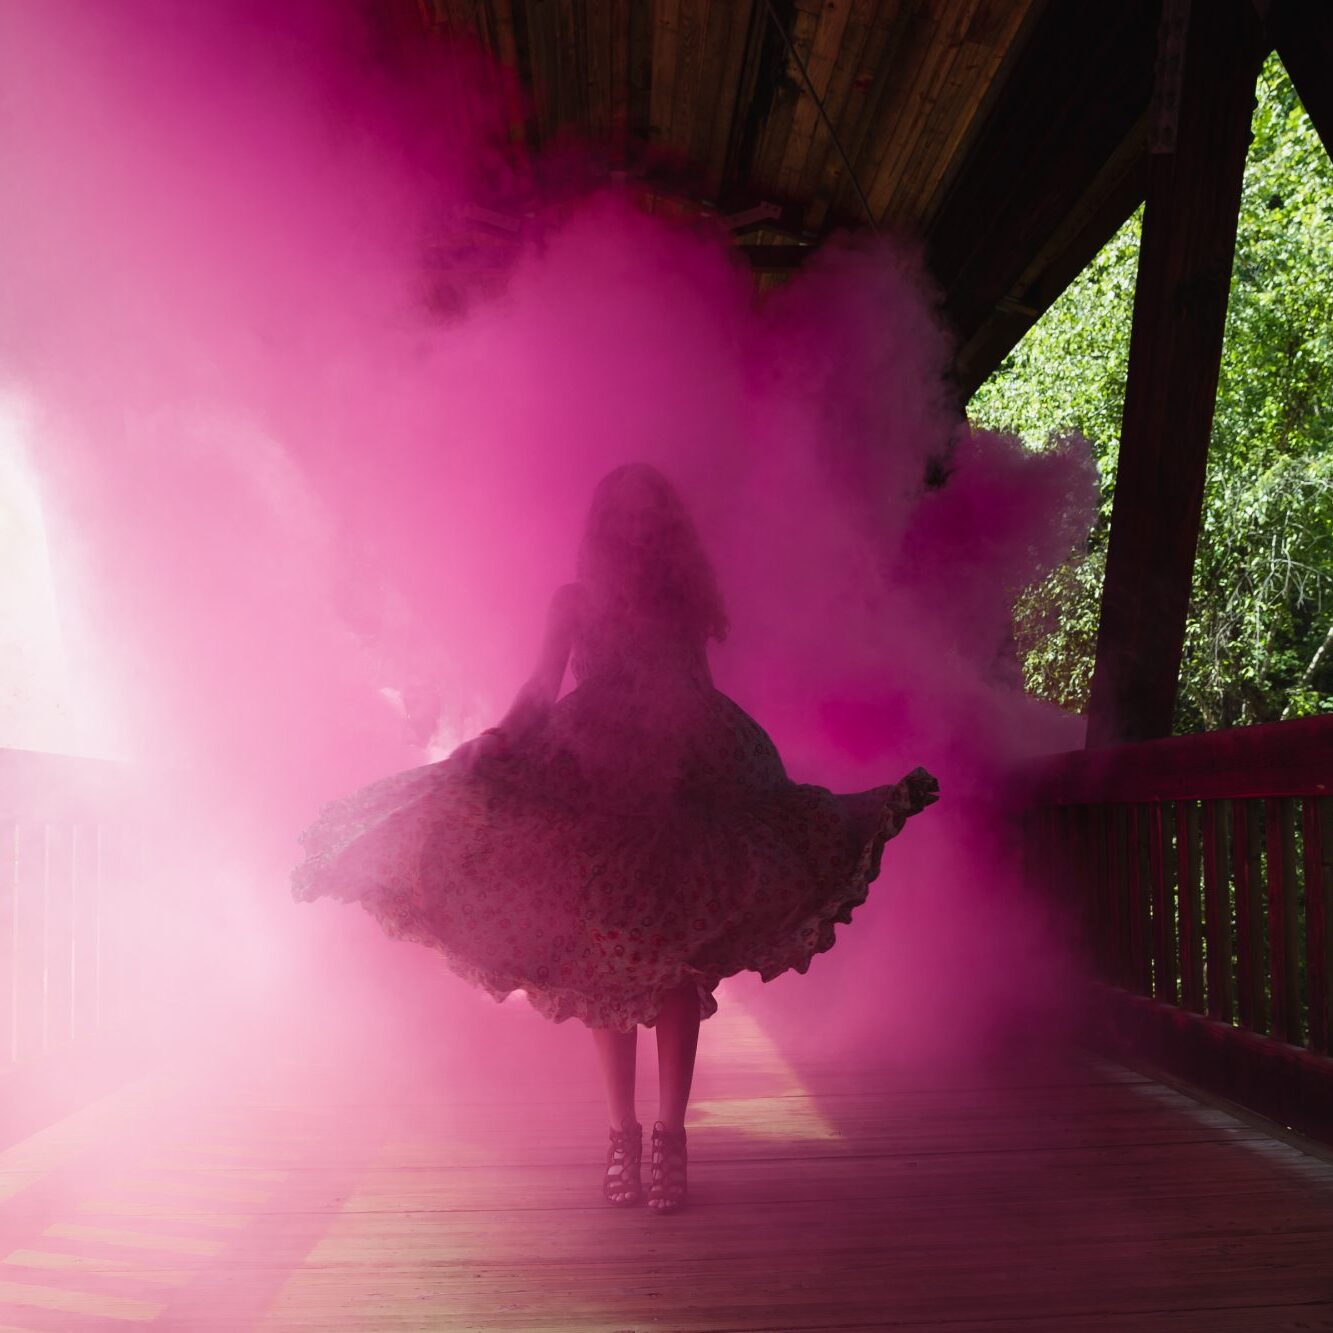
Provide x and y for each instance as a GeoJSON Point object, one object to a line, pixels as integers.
{"type": "Point", "coordinates": [614, 853]}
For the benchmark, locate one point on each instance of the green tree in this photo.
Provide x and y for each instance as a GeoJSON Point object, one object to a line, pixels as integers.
{"type": "Point", "coordinates": [1259, 637]}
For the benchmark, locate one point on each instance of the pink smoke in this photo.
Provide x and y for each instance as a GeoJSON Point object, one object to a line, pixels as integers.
{"type": "Point", "coordinates": [323, 374]}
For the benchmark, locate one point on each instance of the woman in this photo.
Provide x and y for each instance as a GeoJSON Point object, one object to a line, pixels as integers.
{"type": "Point", "coordinates": [614, 853]}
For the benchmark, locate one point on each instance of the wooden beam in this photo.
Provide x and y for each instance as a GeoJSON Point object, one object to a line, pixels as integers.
{"type": "Point", "coordinates": [1010, 29]}
{"type": "Point", "coordinates": [1302, 31]}
{"type": "Point", "coordinates": [1189, 239]}
{"type": "Point", "coordinates": [1114, 194]}
{"type": "Point", "coordinates": [757, 95]}
{"type": "Point", "coordinates": [776, 258]}
{"type": "Point", "coordinates": [1070, 101]}
{"type": "Point", "coordinates": [713, 142]}
{"type": "Point", "coordinates": [996, 27]}
{"type": "Point", "coordinates": [639, 34]}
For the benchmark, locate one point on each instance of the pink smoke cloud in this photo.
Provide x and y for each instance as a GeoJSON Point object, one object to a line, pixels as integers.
{"type": "Point", "coordinates": [315, 444]}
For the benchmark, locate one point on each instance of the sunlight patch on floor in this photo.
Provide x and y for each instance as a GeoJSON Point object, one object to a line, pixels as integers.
{"type": "Point", "coordinates": [33, 1159]}
{"type": "Point", "coordinates": [774, 1103]}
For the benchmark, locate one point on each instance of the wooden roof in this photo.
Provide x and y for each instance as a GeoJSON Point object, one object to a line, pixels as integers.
{"type": "Point", "coordinates": [1008, 135]}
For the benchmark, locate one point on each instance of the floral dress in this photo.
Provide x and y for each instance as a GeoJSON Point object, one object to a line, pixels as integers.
{"type": "Point", "coordinates": [640, 834]}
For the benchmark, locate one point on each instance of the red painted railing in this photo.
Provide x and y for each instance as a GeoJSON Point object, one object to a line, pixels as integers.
{"type": "Point", "coordinates": [1202, 869]}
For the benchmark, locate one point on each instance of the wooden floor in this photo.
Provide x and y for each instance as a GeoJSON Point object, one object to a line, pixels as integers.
{"type": "Point", "coordinates": [1071, 1195]}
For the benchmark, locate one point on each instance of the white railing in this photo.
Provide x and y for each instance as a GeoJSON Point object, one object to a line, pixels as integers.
{"type": "Point", "coordinates": [71, 902]}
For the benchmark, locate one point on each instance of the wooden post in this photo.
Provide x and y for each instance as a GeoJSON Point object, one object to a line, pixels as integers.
{"type": "Point", "coordinates": [1189, 238]}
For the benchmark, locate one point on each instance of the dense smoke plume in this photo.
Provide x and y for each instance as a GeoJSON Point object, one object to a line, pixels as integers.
{"type": "Point", "coordinates": [317, 372]}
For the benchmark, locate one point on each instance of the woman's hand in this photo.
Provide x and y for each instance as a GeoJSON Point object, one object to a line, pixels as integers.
{"type": "Point", "coordinates": [923, 788]}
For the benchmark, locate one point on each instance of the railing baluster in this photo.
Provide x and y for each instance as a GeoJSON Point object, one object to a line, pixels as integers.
{"type": "Point", "coordinates": [21, 926]}
{"type": "Point", "coordinates": [75, 911]}
{"type": "Point", "coordinates": [1163, 936]}
{"type": "Point", "coordinates": [1093, 862]}
{"type": "Point", "coordinates": [1078, 884]}
{"type": "Point", "coordinates": [24, 987]}
{"type": "Point", "coordinates": [1249, 915]}
{"type": "Point", "coordinates": [1046, 871]}
{"type": "Point", "coordinates": [59, 932]}
{"type": "Point", "coordinates": [1317, 828]}
{"type": "Point", "coordinates": [11, 877]}
{"type": "Point", "coordinates": [1217, 911]}
{"type": "Point", "coordinates": [1283, 939]}
{"type": "Point", "coordinates": [1114, 831]}
{"type": "Point", "coordinates": [1188, 905]}
{"type": "Point", "coordinates": [142, 957]}
{"type": "Point", "coordinates": [99, 880]}
{"type": "Point", "coordinates": [1079, 868]}
{"type": "Point", "coordinates": [1104, 871]}
{"type": "Point", "coordinates": [1136, 881]}
{"type": "Point", "coordinates": [114, 924]}
{"type": "Point", "coordinates": [44, 940]}
{"type": "Point", "coordinates": [1149, 847]}
{"type": "Point", "coordinates": [73, 919]}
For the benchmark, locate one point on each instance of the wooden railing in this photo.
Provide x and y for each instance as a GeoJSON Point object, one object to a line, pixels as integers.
{"type": "Point", "coordinates": [1202, 872]}
{"type": "Point", "coordinates": [69, 902]}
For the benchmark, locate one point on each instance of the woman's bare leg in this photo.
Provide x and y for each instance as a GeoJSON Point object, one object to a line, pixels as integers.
{"type": "Point", "coordinates": [616, 1052]}
{"type": "Point", "coordinates": [677, 1042]}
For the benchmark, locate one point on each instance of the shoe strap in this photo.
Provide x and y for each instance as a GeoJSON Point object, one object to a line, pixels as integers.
{"type": "Point", "coordinates": [628, 1140]}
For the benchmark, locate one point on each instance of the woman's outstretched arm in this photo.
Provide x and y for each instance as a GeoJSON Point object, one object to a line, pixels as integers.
{"type": "Point", "coordinates": [542, 688]}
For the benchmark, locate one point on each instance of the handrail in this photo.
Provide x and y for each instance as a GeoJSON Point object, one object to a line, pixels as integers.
{"type": "Point", "coordinates": [1273, 759]}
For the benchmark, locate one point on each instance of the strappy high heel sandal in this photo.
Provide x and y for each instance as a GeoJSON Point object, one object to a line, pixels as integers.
{"type": "Point", "coordinates": [622, 1184]}
{"type": "Point", "coordinates": [666, 1194]}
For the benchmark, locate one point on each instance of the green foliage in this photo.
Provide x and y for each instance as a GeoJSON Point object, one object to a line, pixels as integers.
{"type": "Point", "coordinates": [1262, 603]}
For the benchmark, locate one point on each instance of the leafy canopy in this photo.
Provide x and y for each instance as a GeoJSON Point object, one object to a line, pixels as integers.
{"type": "Point", "coordinates": [1259, 636]}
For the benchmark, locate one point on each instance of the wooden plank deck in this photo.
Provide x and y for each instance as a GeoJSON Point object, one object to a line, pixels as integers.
{"type": "Point", "coordinates": [1070, 1194]}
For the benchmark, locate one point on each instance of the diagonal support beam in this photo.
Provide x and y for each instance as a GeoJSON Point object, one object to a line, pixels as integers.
{"type": "Point", "coordinates": [1302, 31]}
{"type": "Point", "coordinates": [1180, 303]}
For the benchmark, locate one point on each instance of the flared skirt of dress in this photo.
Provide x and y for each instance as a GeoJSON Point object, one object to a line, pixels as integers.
{"type": "Point", "coordinates": [597, 871]}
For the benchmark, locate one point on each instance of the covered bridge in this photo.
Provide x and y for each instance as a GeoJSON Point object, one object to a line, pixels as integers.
{"type": "Point", "coordinates": [1171, 1172]}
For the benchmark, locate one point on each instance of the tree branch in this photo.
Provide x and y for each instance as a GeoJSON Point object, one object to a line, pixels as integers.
{"type": "Point", "coordinates": [1308, 675]}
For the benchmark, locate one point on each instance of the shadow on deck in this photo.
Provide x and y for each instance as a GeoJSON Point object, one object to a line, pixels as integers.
{"type": "Point", "coordinates": [1071, 1194]}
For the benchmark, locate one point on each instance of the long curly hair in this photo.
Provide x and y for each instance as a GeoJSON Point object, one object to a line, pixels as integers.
{"type": "Point", "coordinates": [641, 553]}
